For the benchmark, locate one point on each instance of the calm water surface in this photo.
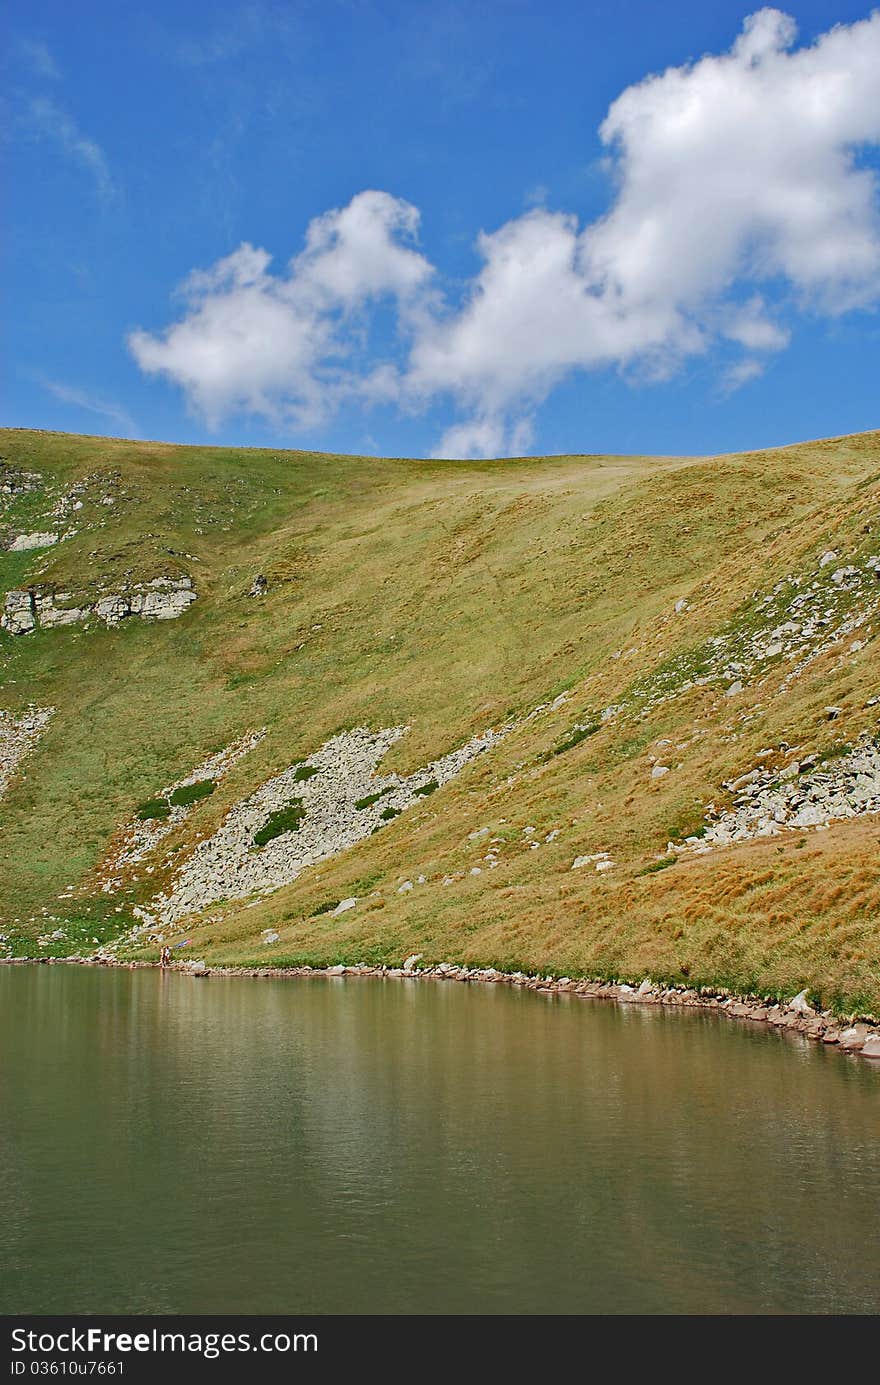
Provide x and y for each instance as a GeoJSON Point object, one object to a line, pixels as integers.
{"type": "Point", "coordinates": [170, 1145]}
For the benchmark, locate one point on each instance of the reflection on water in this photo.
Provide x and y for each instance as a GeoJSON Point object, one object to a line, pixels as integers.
{"type": "Point", "coordinates": [173, 1145]}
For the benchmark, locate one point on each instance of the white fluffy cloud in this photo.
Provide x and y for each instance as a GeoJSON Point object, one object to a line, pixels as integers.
{"type": "Point", "coordinates": [742, 166]}
{"type": "Point", "coordinates": [740, 200]}
{"type": "Point", "coordinates": [276, 344]}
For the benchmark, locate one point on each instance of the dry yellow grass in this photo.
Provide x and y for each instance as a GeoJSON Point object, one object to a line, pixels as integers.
{"type": "Point", "coordinates": [450, 597]}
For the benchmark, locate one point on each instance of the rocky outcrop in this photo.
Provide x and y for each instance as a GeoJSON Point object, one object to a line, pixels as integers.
{"type": "Point", "coordinates": [18, 736]}
{"type": "Point", "coordinates": [19, 614]}
{"type": "Point", "coordinates": [164, 598]}
{"type": "Point", "coordinates": [24, 542]}
{"type": "Point", "coordinates": [807, 793]}
{"type": "Point", "coordinates": [342, 802]}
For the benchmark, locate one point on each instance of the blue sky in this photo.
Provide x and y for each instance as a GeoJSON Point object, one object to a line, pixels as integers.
{"type": "Point", "coordinates": [480, 265]}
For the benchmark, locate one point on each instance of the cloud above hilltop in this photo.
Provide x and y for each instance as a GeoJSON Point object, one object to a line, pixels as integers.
{"type": "Point", "coordinates": [278, 344]}
{"type": "Point", "coordinates": [741, 202]}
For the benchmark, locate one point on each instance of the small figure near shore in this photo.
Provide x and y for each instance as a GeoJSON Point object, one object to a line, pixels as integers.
{"type": "Point", "coordinates": [165, 957]}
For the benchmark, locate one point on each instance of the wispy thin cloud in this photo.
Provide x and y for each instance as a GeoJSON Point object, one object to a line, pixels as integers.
{"type": "Point", "coordinates": [46, 118]}
{"type": "Point", "coordinates": [740, 373]}
{"type": "Point", "coordinates": [93, 404]}
{"type": "Point", "coordinates": [244, 28]}
{"type": "Point", "coordinates": [37, 56]}
{"type": "Point", "coordinates": [52, 122]}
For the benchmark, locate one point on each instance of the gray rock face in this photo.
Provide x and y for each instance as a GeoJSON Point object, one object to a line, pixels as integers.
{"type": "Point", "coordinates": [51, 616]}
{"type": "Point", "coordinates": [112, 609]}
{"type": "Point", "coordinates": [229, 865]}
{"type": "Point", "coordinates": [19, 616]}
{"type": "Point", "coordinates": [165, 598]}
{"type": "Point", "coordinates": [24, 542]}
{"type": "Point", "coordinates": [165, 604]}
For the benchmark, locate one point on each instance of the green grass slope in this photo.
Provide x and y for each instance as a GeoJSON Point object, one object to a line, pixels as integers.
{"type": "Point", "coordinates": [450, 597]}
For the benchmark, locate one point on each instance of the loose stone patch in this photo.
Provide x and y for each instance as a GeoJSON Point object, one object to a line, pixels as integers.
{"type": "Point", "coordinates": [18, 736]}
{"type": "Point", "coordinates": [806, 794]}
{"type": "Point", "coordinates": [232, 865]}
{"type": "Point", "coordinates": [13, 481]}
{"type": "Point", "coordinates": [142, 835]}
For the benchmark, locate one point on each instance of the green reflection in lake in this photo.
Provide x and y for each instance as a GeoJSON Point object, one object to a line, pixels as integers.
{"type": "Point", "coordinates": [173, 1145]}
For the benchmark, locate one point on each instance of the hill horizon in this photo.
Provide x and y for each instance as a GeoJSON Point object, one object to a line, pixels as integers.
{"type": "Point", "coordinates": [604, 716]}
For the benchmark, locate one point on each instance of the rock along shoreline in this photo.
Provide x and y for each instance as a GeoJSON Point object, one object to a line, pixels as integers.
{"type": "Point", "coordinates": [860, 1036]}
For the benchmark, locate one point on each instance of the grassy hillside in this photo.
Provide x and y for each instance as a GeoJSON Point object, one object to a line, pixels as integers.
{"type": "Point", "coordinates": [452, 597]}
